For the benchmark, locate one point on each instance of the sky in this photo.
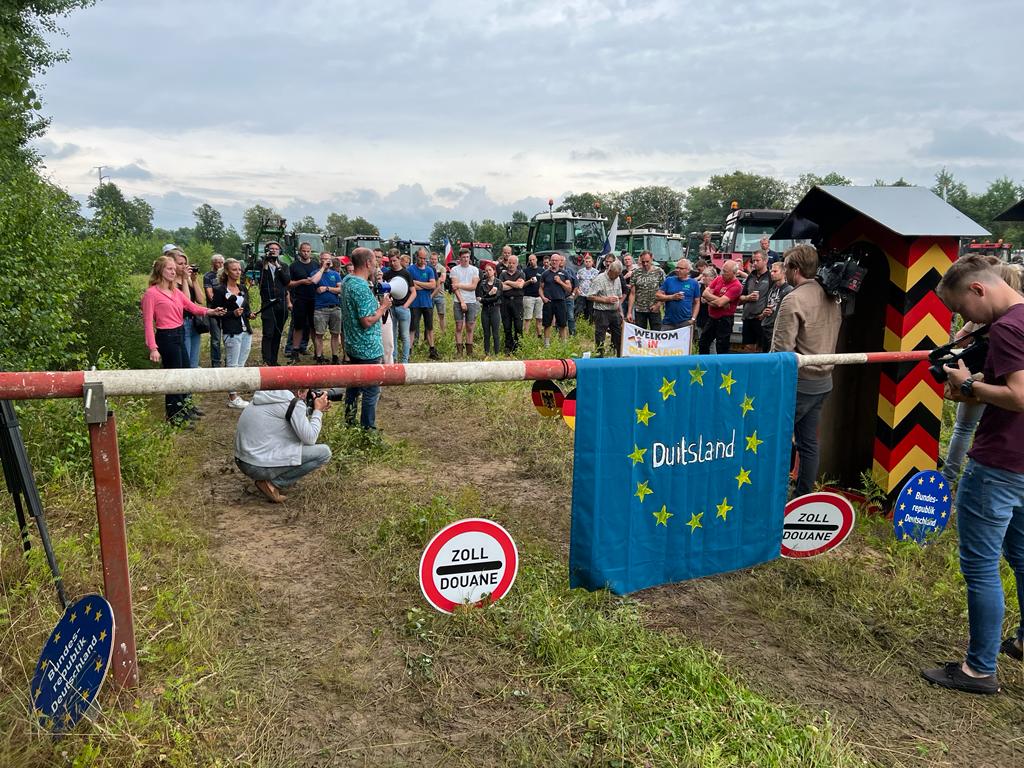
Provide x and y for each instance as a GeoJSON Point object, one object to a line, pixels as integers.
{"type": "Point", "coordinates": [408, 112]}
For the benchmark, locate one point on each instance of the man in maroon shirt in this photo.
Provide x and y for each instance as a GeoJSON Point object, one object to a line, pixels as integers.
{"type": "Point", "coordinates": [721, 297]}
{"type": "Point", "coordinates": [990, 498]}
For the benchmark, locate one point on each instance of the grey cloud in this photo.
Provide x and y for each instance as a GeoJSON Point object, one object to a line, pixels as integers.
{"type": "Point", "coordinates": [971, 142]}
{"type": "Point", "coordinates": [134, 171]}
{"type": "Point", "coordinates": [588, 155]}
{"type": "Point", "coordinates": [53, 151]}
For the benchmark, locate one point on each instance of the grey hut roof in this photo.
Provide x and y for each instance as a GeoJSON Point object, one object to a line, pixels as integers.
{"type": "Point", "coordinates": [906, 211]}
{"type": "Point", "coordinates": [1014, 213]}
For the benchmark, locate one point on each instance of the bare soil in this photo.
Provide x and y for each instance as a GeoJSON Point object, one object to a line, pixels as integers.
{"type": "Point", "coordinates": [344, 681]}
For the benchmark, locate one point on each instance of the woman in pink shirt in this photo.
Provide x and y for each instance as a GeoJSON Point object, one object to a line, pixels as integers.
{"type": "Point", "coordinates": [163, 322]}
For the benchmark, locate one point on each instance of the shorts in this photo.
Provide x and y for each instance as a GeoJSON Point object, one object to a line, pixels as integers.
{"type": "Point", "coordinates": [753, 332]}
{"type": "Point", "coordinates": [439, 303]}
{"type": "Point", "coordinates": [555, 310]}
{"type": "Point", "coordinates": [427, 313]}
{"type": "Point", "coordinates": [327, 318]}
{"type": "Point", "coordinates": [302, 314]}
{"type": "Point", "coordinates": [472, 310]}
{"type": "Point", "coordinates": [533, 308]}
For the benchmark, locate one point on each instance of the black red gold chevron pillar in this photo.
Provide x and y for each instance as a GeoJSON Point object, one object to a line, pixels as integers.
{"type": "Point", "coordinates": [909, 399]}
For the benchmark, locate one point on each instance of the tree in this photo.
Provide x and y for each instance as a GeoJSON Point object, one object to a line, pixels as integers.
{"type": "Point", "coordinates": [306, 224]}
{"type": "Point", "coordinates": [340, 225]}
{"type": "Point", "coordinates": [900, 182]}
{"type": "Point", "coordinates": [581, 203]}
{"type": "Point", "coordinates": [708, 205]}
{"type": "Point", "coordinates": [252, 220]}
{"type": "Point", "coordinates": [231, 244]}
{"type": "Point", "coordinates": [135, 215]}
{"type": "Point", "coordinates": [490, 231]}
{"type": "Point", "coordinates": [456, 231]}
{"type": "Point", "coordinates": [807, 181]}
{"type": "Point", "coordinates": [26, 26]}
{"type": "Point", "coordinates": [209, 225]}
{"type": "Point", "coordinates": [660, 206]}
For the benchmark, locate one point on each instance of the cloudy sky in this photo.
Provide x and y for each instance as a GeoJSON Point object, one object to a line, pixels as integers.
{"type": "Point", "coordinates": [407, 112]}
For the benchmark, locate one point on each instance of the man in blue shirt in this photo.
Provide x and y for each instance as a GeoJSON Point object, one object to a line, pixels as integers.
{"type": "Point", "coordinates": [361, 315]}
{"type": "Point", "coordinates": [681, 296]}
{"type": "Point", "coordinates": [425, 280]}
{"type": "Point", "coordinates": [327, 310]}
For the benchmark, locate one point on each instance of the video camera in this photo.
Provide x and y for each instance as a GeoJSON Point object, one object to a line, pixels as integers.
{"type": "Point", "coordinates": [841, 277]}
{"type": "Point", "coordinates": [973, 354]}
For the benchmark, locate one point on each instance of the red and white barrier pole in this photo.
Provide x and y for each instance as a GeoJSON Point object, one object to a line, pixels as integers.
{"type": "Point", "coordinates": [48, 384]}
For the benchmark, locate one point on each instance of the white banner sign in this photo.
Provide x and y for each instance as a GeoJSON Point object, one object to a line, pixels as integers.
{"type": "Point", "coordinates": [640, 342]}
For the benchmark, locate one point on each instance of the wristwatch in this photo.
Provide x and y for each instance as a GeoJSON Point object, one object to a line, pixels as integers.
{"type": "Point", "coordinates": [967, 388]}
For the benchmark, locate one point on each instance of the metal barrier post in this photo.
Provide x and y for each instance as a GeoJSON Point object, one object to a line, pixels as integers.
{"type": "Point", "coordinates": [106, 472]}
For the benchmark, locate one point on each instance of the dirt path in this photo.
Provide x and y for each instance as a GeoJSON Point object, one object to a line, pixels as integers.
{"type": "Point", "coordinates": [326, 642]}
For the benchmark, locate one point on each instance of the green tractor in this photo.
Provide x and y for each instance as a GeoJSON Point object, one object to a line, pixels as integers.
{"type": "Point", "coordinates": [344, 246]}
{"type": "Point", "coordinates": [565, 232]}
{"type": "Point", "coordinates": [647, 237]}
{"type": "Point", "coordinates": [273, 230]}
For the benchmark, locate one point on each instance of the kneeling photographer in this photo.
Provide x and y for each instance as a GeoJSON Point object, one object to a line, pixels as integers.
{"type": "Point", "coordinates": [275, 441]}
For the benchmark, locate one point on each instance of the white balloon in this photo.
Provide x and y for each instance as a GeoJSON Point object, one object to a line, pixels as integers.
{"type": "Point", "coordinates": [399, 288]}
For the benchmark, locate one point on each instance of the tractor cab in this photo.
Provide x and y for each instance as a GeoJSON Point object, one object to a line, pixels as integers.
{"type": "Point", "coordinates": [478, 252]}
{"type": "Point", "coordinates": [645, 238]}
{"type": "Point", "coordinates": [744, 228]}
{"type": "Point", "coordinates": [567, 233]}
{"type": "Point", "coordinates": [345, 245]}
{"type": "Point", "coordinates": [675, 249]}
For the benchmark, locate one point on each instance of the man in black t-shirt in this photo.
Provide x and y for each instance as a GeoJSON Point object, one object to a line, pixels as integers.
{"type": "Point", "coordinates": [533, 308]}
{"type": "Point", "coordinates": [305, 274]}
{"type": "Point", "coordinates": [512, 280]}
{"type": "Point", "coordinates": [555, 286]}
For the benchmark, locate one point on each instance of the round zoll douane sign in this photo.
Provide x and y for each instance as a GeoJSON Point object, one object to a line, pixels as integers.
{"type": "Point", "coordinates": [816, 523]}
{"type": "Point", "coordinates": [467, 562]}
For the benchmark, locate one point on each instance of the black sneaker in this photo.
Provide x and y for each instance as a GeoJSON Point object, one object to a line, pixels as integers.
{"type": "Point", "coordinates": [335, 360]}
{"type": "Point", "coordinates": [1009, 647]}
{"type": "Point", "coordinates": [950, 675]}
{"type": "Point", "coordinates": [434, 355]}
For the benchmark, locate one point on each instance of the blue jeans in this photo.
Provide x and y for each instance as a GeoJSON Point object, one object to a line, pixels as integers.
{"type": "Point", "coordinates": [570, 311]}
{"type": "Point", "coordinates": [368, 416]}
{"type": "Point", "coordinates": [193, 341]}
{"type": "Point", "coordinates": [967, 417]}
{"type": "Point", "coordinates": [990, 519]}
{"type": "Point", "coordinates": [313, 457]}
{"type": "Point", "coordinates": [805, 435]}
{"type": "Point", "coordinates": [402, 316]}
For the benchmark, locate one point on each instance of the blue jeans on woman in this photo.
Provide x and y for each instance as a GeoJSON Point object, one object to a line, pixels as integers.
{"type": "Point", "coordinates": [990, 520]}
{"type": "Point", "coordinates": [370, 394]}
{"type": "Point", "coordinates": [193, 341]}
{"type": "Point", "coordinates": [967, 417]}
{"type": "Point", "coordinates": [402, 318]}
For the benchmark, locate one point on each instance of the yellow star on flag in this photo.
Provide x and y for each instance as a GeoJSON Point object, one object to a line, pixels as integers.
{"type": "Point", "coordinates": [85, 694]}
{"type": "Point", "coordinates": [668, 388]}
{"type": "Point", "coordinates": [743, 477]}
{"type": "Point", "coordinates": [695, 521]}
{"type": "Point", "coordinates": [642, 490]}
{"type": "Point", "coordinates": [99, 615]}
{"type": "Point", "coordinates": [753, 442]}
{"type": "Point", "coordinates": [945, 498]}
{"type": "Point", "coordinates": [747, 405]}
{"type": "Point", "coordinates": [45, 663]}
{"type": "Point", "coordinates": [56, 638]}
{"type": "Point", "coordinates": [662, 516]}
{"type": "Point", "coordinates": [73, 617]}
{"type": "Point", "coordinates": [941, 485]}
{"type": "Point", "coordinates": [88, 606]}
{"type": "Point", "coordinates": [902, 507]}
{"type": "Point", "coordinates": [727, 382]}
{"type": "Point", "coordinates": [39, 692]}
{"type": "Point", "coordinates": [103, 635]}
{"type": "Point", "coordinates": [920, 481]}
{"type": "Point", "coordinates": [643, 415]}
{"type": "Point", "coordinates": [931, 479]}
{"type": "Point", "coordinates": [637, 455]}
{"type": "Point", "coordinates": [697, 375]}
{"type": "Point", "coordinates": [99, 665]}
{"type": "Point", "coordinates": [723, 508]}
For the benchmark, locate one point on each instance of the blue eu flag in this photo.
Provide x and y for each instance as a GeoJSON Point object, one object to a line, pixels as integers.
{"type": "Point", "coordinates": [681, 467]}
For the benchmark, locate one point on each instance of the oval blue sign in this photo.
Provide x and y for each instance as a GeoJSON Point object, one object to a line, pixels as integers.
{"type": "Point", "coordinates": [923, 507]}
{"type": "Point", "coordinates": [73, 664]}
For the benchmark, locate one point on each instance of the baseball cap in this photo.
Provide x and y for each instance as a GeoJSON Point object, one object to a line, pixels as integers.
{"type": "Point", "coordinates": [168, 248]}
